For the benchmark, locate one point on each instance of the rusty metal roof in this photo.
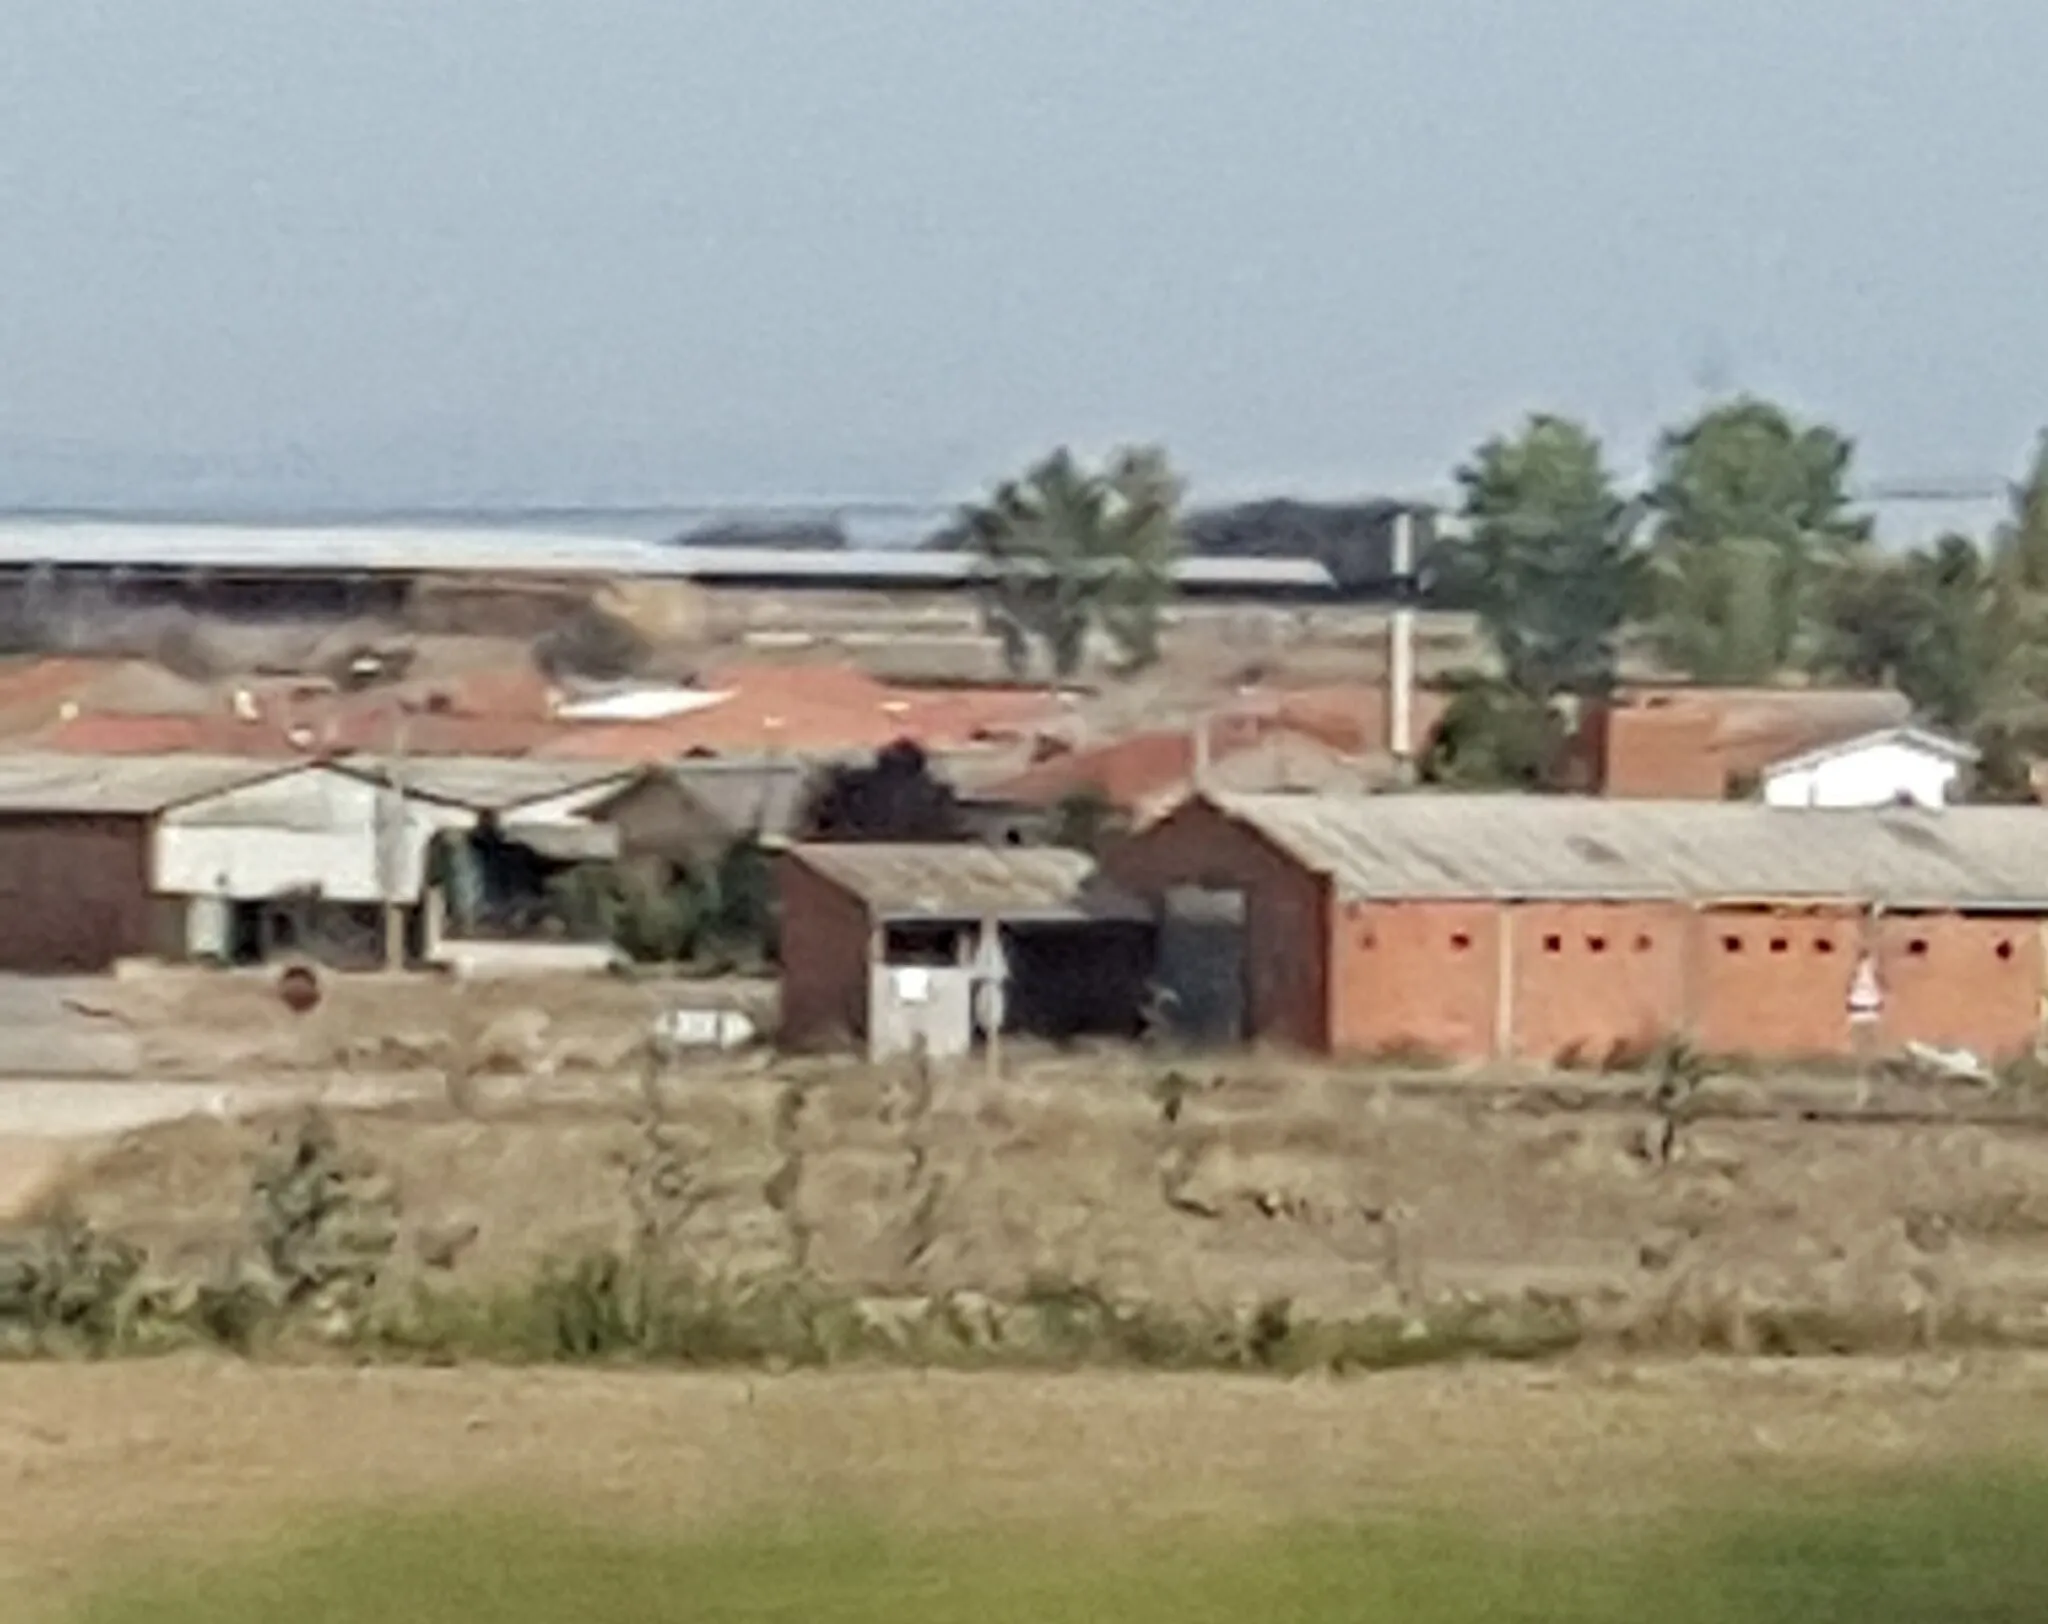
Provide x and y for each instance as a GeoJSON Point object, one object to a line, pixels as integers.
{"type": "Point", "coordinates": [1561, 848]}
{"type": "Point", "coordinates": [907, 882]}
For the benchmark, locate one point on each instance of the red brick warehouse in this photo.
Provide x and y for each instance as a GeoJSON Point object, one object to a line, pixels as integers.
{"type": "Point", "coordinates": [1551, 928]}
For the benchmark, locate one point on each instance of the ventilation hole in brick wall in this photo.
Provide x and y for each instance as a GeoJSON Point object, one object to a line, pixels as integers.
{"type": "Point", "coordinates": [2005, 950]}
{"type": "Point", "coordinates": [1823, 947]}
{"type": "Point", "coordinates": [1917, 948]}
{"type": "Point", "coordinates": [1461, 943]}
{"type": "Point", "coordinates": [1596, 944]}
{"type": "Point", "coordinates": [1644, 944]}
{"type": "Point", "coordinates": [1780, 945]}
{"type": "Point", "coordinates": [1731, 944]}
{"type": "Point", "coordinates": [1553, 944]}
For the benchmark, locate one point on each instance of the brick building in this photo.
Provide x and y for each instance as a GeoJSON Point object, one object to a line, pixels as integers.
{"type": "Point", "coordinates": [885, 945]}
{"type": "Point", "coordinates": [78, 888]}
{"type": "Point", "coordinates": [1540, 929]}
{"type": "Point", "coordinates": [1680, 742]}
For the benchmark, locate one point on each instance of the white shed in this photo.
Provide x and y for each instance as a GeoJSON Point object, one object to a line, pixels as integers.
{"type": "Point", "coordinates": [315, 832]}
{"type": "Point", "coordinates": [317, 829]}
{"type": "Point", "coordinates": [1894, 766]}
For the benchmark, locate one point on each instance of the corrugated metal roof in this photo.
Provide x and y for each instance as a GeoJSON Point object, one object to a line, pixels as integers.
{"type": "Point", "coordinates": [969, 882]}
{"type": "Point", "coordinates": [392, 550]}
{"type": "Point", "coordinates": [764, 798]}
{"type": "Point", "coordinates": [490, 783]}
{"type": "Point", "coordinates": [1556, 847]}
{"type": "Point", "coordinates": [121, 786]}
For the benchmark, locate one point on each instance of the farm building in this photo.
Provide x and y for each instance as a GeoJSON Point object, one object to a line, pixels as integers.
{"type": "Point", "coordinates": [887, 946]}
{"type": "Point", "coordinates": [691, 813]}
{"type": "Point", "coordinates": [1896, 766]}
{"type": "Point", "coordinates": [303, 858]}
{"type": "Point", "coordinates": [78, 859]}
{"type": "Point", "coordinates": [1547, 929]}
{"type": "Point", "coordinates": [232, 858]}
{"type": "Point", "coordinates": [503, 834]}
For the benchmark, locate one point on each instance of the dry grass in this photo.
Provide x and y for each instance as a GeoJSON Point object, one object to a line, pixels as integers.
{"type": "Point", "coordinates": [192, 1456]}
{"type": "Point", "coordinates": [1274, 1184]}
{"type": "Point", "coordinates": [1775, 1234]}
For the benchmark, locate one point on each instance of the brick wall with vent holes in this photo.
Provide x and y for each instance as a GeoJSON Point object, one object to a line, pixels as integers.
{"type": "Point", "coordinates": [1595, 981]}
{"type": "Point", "coordinates": [1418, 976]}
{"type": "Point", "coordinates": [1586, 982]}
{"type": "Point", "coordinates": [1778, 982]}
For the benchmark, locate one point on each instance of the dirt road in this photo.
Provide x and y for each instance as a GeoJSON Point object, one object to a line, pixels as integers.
{"type": "Point", "coordinates": [45, 1121]}
{"type": "Point", "coordinates": [61, 1027]}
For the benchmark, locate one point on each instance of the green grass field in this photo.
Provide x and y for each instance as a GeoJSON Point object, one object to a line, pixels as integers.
{"type": "Point", "coordinates": [1950, 1552]}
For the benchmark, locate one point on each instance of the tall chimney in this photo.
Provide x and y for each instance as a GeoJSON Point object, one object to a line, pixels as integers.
{"type": "Point", "coordinates": [1401, 650]}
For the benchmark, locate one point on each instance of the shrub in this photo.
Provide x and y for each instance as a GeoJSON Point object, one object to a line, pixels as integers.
{"type": "Point", "coordinates": [592, 643]}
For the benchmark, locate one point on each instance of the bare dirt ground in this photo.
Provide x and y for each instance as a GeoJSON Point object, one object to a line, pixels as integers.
{"type": "Point", "coordinates": [232, 1027]}
{"type": "Point", "coordinates": [188, 1456]}
{"type": "Point", "coordinates": [60, 1027]}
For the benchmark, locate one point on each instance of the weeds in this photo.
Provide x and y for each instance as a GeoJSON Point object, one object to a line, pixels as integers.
{"type": "Point", "coordinates": [64, 1287]}
{"type": "Point", "coordinates": [609, 1308]}
{"type": "Point", "coordinates": [782, 1191]}
{"type": "Point", "coordinates": [1681, 1072]}
{"type": "Point", "coordinates": [323, 1223]}
{"type": "Point", "coordinates": [1180, 1152]}
{"type": "Point", "coordinates": [924, 1187]}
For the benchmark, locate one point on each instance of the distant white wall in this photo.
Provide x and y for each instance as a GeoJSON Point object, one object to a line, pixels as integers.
{"type": "Point", "coordinates": [1877, 774]}
{"type": "Point", "coordinates": [314, 829]}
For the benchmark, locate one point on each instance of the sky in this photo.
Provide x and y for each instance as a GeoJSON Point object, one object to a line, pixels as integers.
{"type": "Point", "coordinates": [386, 251]}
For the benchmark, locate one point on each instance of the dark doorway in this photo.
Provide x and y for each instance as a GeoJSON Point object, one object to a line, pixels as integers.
{"type": "Point", "coordinates": [1201, 965]}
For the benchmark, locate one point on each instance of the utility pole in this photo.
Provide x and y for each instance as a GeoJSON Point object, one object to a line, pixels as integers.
{"type": "Point", "coordinates": [391, 845]}
{"type": "Point", "coordinates": [1401, 649]}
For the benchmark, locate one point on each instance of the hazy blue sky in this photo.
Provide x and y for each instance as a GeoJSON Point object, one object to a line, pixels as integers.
{"type": "Point", "coordinates": [715, 247]}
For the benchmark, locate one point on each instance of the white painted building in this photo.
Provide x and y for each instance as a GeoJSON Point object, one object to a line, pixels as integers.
{"type": "Point", "coordinates": [323, 850]}
{"type": "Point", "coordinates": [317, 829]}
{"type": "Point", "coordinates": [316, 836]}
{"type": "Point", "coordinates": [1896, 766]}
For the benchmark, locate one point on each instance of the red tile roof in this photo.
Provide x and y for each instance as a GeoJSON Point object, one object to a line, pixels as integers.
{"type": "Point", "coordinates": [1142, 770]}
{"type": "Point", "coordinates": [33, 692]}
{"type": "Point", "coordinates": [317, 724]}
{"type": "Point", "coordinates": [809, 710]}
{"type": "Point", "coordinates": [1346, 719]}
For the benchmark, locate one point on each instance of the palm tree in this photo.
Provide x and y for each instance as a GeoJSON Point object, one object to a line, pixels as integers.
{"type": "Point", "coordinates": [1067, 550]}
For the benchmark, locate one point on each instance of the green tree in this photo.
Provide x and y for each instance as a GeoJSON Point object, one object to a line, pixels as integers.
{"type": "Point", "coordinates": [1924, 622]}
{"type": "Point", "coordinates": [2018, 611]}
{"type": "Point", "coordinates": [2021, 547]}
{"type": "Point", "coordinates": [1068, 550]}
{"type": "Point", "coordinates": [1753, 517]}
{"type": "Point", "coordinates": [1493, 736]}
{"type": "Point", "coordinates": [1549, 562]}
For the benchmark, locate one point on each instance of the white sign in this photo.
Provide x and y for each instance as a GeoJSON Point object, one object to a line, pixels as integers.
{"type": "Point", "coordinates": [991, 1006]}
{"type": "Point", "coordinates": [1866, 995]}
{"type": "Point", "coordinates": [991, 963]}
{"type": "Point", "coordinates": [704, 1029]}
